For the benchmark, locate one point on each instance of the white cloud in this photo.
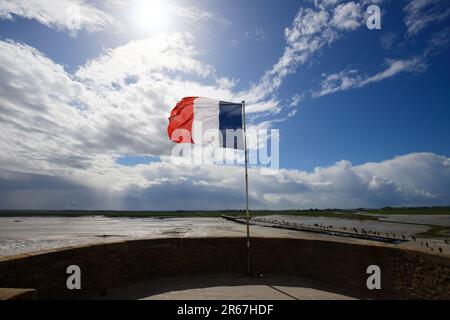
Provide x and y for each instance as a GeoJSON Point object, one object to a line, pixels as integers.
{"type": "Point", "coordinates": [140, 58]}
{"type": "Point", "coordinates": [296, 99]}
{"type": "Point", "coordinates": [395, 67]}
{"type": "Point", "coordinates": [193, 13]}
{"type": "Point", "coordinates": [312, 29]}
{"type": "Point", "coordinates": [260, 34]}
{"type": "Point", "coordinates": [71, 15]}
{"type": "Point", "coordinates": [347, 16]}
{"type": "Point", "coordinates": [294, 104]}
{"type": "Point", "coordinates": [271, 106]}
{"type": "Point", "coordinates": [411, 180]}
{"type": "Point", "coordinates": [323, 4]}
{"type": "Point", "coordinates": [307, 35]}
{"type": "Point", "coordinates": [93, 16]}
{"type": "Point", "coordinates": [351, 79]}
{"type": "Point", "coordinates": [115, 105]}
{"type": "Point", "coordinates": [66, 131]}
{"type": "Point", "coordinates": [421, 13]}
{"type": "Point", "coordinates": [389, 40]}
{"type": "Point", "coordinates": [438, 42]}
{"type": "Point", "coordinates": [38, 113]}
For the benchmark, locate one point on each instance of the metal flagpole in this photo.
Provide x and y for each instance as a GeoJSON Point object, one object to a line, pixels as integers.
{"type": "Point", "coordinates": [246, 188]}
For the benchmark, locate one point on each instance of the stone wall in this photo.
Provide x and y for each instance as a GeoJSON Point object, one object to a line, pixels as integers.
{"type": "Point", "coordinates": [341, 266]}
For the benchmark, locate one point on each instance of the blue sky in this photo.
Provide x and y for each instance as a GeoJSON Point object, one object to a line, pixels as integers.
{"type": "Point", "coordinates": [363, 114]}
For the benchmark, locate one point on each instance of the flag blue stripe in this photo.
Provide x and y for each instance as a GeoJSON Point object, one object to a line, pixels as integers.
{"type": "Point", "coordinates": [230, 117]}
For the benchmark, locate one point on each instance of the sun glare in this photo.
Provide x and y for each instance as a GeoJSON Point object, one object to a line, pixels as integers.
{"type": "Point", "coordinates": [150, 15]}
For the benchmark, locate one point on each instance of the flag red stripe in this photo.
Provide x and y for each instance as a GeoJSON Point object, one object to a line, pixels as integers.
{"type": "Point", "coordinates": [181, 118]}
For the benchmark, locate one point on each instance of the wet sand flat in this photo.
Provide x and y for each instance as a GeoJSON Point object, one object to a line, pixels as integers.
{"type": "Point", "coordinates": [23, 235]}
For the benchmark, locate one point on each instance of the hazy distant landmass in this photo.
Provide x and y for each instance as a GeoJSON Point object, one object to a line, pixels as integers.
{"type": "Point", "coordinates": [360, 213]}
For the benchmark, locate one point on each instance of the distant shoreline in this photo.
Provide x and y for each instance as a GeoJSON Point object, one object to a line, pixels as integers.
{"type": "Point", "coordinates": [362, 214]}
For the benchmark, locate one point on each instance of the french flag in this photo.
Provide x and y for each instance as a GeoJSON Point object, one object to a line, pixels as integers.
{"type": "Point", "coordinates": [204, 121]}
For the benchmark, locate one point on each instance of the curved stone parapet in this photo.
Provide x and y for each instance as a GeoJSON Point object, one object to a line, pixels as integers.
{"type": "Point", "coordinates": [405, 274]}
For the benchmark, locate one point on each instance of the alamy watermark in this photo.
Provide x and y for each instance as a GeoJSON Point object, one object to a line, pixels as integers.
{"type": "Point", "coordinates": [74, 280]}
{"type": "Point", "coordinates": [374, 280]}
{"type": "Point", "coordinates": [374, 17]}
{"type": "Point", "coordinates": [212, 146]}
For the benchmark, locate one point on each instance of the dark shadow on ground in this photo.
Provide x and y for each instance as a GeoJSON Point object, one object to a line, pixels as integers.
{"type": "Point", "coordinates": [227, 287]}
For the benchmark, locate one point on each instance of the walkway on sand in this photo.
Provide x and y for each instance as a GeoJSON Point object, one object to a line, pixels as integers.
{"type": "Point", "coordinates": [327, 230]}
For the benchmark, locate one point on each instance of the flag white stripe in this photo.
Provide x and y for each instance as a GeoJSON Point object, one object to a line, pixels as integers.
{"type": "Point", "coordinates": [206, 117]}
